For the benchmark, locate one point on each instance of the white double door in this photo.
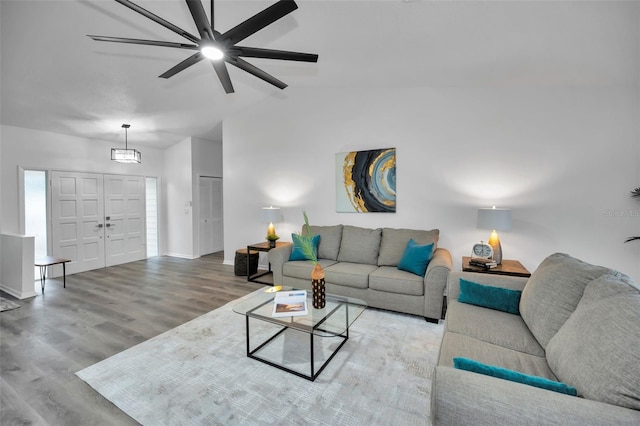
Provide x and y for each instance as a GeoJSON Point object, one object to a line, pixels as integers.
{"type": "Point", "coordinates": [97, 220]}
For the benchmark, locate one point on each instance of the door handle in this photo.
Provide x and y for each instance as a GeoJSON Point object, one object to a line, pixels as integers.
{"type": "Point", "coordinates": [99, 225]}
{"type": "Point", "coordinates": [110, 225]}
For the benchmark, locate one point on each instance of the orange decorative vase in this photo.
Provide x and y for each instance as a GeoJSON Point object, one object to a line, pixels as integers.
{"type": "Point", "coordinates": [317, 287]}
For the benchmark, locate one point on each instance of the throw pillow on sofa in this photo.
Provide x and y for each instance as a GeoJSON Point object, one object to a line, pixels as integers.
{"type": "Point", "coordinates": [597, 348]}
{"type": "Point", "coordinates": [511, 375]}
{"type": "Point", "coordinates": [416, 258]}
{"type": "Point", "coordinates": [498, 298]}
{"type": "Point", "coordinates": [304, 248]}
{"type": "Point", "coordinates": [394, 242]}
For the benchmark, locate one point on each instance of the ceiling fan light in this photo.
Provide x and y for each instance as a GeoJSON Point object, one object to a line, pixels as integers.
{"type": "Point", "coordinates": [212, 53]}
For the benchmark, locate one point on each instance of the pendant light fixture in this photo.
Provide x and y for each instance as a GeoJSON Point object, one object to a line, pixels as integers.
{"type": "Point", "coordinates": [126, 155]}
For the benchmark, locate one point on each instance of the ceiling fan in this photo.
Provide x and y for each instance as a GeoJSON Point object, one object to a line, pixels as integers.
{"type": "Point", "coordinates": [220, 47]}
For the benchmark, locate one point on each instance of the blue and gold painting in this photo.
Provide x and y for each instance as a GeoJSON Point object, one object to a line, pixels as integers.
{"type": "Point", "coordinates": [366, 181]}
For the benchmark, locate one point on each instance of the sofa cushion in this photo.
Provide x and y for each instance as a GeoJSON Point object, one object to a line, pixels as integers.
{"type": "Point", "coordinates": [302, 268]}
{"type": "Point", "coordinates": [304, 248]}
{"type": "Point", "coordinates": [495, 327]}
{"type": "Point", "coordinates": [553, 292]}
{"type": "Point", "coordinates": [330, 237]}
{"type": "Point", "coordinates": [359, 245]}
{"type": "Point", "coordinates": [597, 350]}
{"type": "Point", "coordinates": [513, 376]}
{"type": "Point", "coordinates": [394, 241]}
{"type": "Point", "coordinates": [349, 274]}
{"type": "Point", "coordinates": [454, 345]}
{"type": "Point", "coordinates": [498, 298]}
{"type": "Point", "coordinates": [416, 258]}
{"type": "Point", "coordinates": [393, 280]}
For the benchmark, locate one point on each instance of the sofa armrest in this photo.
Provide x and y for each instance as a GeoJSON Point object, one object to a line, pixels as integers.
{"type": "Point", "coordinates": [435, 282]}
{"type": "Point", "coordinates": [277, 257]}
{"type": "Point", "coordinates": [504, 281]}
{"type": "Point", "coordinates": [461, 397]}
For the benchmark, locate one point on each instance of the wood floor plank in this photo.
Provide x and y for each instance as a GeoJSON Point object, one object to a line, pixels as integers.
{"type": "Point", "coordinates": [100, 313]}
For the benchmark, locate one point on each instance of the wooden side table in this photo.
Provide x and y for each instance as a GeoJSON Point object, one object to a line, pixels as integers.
{"type": "Point", "coordinates": [263, 246]}
{"type": "Point", "coordinates": [507, 267]}
{"type": "Point", "coordinates": [45, 261]}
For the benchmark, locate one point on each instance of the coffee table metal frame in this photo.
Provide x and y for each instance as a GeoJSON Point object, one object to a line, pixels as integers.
{"type": "Point", "coordinates": [314, 330]}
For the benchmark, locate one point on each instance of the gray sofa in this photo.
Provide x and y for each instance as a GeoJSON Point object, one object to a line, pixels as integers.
{"type": "Point", "coordinates": [579, 324]}
{"type": "Point", "coordinates": [362, 263]}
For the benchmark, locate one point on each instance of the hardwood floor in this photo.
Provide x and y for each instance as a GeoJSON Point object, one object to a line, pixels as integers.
{"type": "Point", "coordinates": [100, 313]}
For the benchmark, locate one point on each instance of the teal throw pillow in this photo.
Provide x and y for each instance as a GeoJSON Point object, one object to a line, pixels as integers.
{"type": "Point", "coordinates": [416, 258]}
{"type": "Point", "coordinates": [501, 299]}
{"type": "Point", "coordinates": [304, 248]}
{"type": "Point", "coordinates": [514, 376]}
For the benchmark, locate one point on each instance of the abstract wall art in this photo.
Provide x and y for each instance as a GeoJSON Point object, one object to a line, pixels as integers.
{"type": "Point", "coordinates": [366, 181]}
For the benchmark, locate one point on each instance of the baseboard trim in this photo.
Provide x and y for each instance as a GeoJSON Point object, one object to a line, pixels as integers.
{"type": "Point", "coordinates": [180, 255]}
{"type": "Point", "coordinates": [17, 294]}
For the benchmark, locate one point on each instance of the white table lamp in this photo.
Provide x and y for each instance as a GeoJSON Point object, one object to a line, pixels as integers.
{"type": "Point", "coordinates": [496, 220]}
{"type": "Point", "coordinates": [269, 215]}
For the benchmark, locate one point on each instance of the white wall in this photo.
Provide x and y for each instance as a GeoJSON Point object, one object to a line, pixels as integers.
{"type": "Point", "coordinates": [207, 157]}
{"type": "Point", "coordinates": [178, 191]}
{"type": "Point", "coordinates": [33, 149]}
{"type": "Point", "coordinates": [563, 158]}
{"type": "Point", "coordinates": [540, 123]}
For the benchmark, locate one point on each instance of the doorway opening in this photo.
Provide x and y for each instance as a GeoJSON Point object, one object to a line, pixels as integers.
{"type": "Point", "coordinates": [151, 195]}
{"type": "Point", "coordinates": [94, 219]}
{"type": "Point", "coordinates": [35, 212]}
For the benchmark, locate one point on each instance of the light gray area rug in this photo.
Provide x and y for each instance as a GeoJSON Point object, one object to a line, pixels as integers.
{"type": "Point", "coordinates": [198, 374]}
{"type": "Point", "coordinates": [7, 305]}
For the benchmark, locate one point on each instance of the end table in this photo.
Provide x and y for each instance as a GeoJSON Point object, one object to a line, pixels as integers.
{"type": "Point", "coordinates": [508, 267]}
{"type": "Point", "coordinates": [46, 261]}
{"type": "Point", "coordinates": [263, 246]}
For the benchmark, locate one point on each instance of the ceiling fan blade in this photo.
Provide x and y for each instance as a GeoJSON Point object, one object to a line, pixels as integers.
{"type": "Point", "coordinates": [223, 75]}
{"type": "Point", "coordinates": [212, 26]}
{"type": "Point", "coordinates": [259, 21]}
{"type": "Point", "coordinates": [145, 42]}
{"type": "Point", "coordinates": [256, 52]}
{"type": "Point", "coordinates": [252, 69]}
{"type": "Point", "coordinates": [159, 20]}
{"type": "Point", "coordinates": [193, 59]}
{"type": "Point", "coordinates": [200, 18]}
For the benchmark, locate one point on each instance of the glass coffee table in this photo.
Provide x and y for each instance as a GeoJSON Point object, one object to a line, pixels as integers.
{"type": "Point", "coordinates": [302, 345]}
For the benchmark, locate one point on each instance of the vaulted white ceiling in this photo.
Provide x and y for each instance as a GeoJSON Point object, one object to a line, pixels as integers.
{"type": "Point", "coordinates": [55, 78]}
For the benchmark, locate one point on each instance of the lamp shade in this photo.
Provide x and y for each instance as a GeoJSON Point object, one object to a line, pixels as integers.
{"type": "Point", "coordinates": [270, 214]}
{"type": "Point", "coordinates": [494, 219]}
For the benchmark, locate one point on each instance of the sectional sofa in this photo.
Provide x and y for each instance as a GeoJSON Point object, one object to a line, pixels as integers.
{"type": "Point", "coordinates": [363, 263]}
{"type": "Point", "coordinates": [573, 323]}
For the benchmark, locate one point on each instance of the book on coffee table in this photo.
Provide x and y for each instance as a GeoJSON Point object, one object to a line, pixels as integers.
{"type": "Point", "coordinates": [290, 303]}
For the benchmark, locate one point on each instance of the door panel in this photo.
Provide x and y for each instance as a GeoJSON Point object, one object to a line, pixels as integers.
{"type": "Point", "coordinates": [211, 224]}
{"type": "Point", "coordinates": [77, 234]}
{"type": "Point", "coordinates": [124, 219]}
